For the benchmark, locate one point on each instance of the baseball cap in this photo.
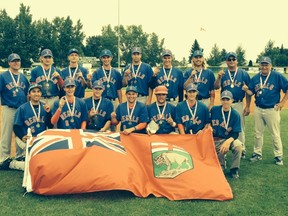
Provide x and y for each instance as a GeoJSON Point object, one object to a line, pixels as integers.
{"type": "Point", "coordinates": [226, 94]}
{"type": "Point", "coordinates": [265, 59]}
{"type": "Point", "coordinates": [191, 87]}
{"type": "Point", "coordinates": [46, 52]}
{"type": "Point", "coordinates": [136, 50]}
{"type": "Point", "coordinates": [73, 50]}
{"type": "Point", "coordinates": [131, 88]}
{"type": "Point", "coordinates": [13, 57]}
{"type": "Point", "coordinates": [98, 84]}
{"type": "Point", "coordinates": [69, 82]}
{"type": "Point", "coordinates": [105, 52]}
{"type": "Point", "coordinates": [161, 90]}
{"type": "Point", "coordinates": [197, 53]}
{"type": "Point", "coordinates": [35, 85]}
{"type": "Point", "coordinates": [166, 52]}
{"type": "Point", "coordinates": [233, 54]}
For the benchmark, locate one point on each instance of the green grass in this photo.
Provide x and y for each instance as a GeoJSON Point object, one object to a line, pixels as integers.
{"type": "Point", "coordinates": [261, 190]}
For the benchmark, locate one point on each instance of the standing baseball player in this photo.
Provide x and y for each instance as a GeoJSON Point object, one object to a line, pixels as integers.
{"type": "Point", "coordinates": [48, 77]}
{"type": "Point", "coordinates": [13, 92]}
{"type": "Point", "coordinates": [201, 76]}
{"type": "Point", "coordinates": [99, 109]}
{"type": "Point", "coordinates": [234, 79]}
{"type": "Point", "coordinates": [266, 87]}
{"type": "Point", "coordinates": [132, 114]}
{"type": "Point", "coordinates": [69, 112]}
{"type": "Point", "coordinates": [171, 77]}
{"type": "Point", "coordinates": [162, 113]}
{"type": "Point", "coordinates": [77, 72]}
{"type": "Point", "coordinates": [34, 115]}
{"type": "Point", "coordinates": [139, 74]}
{"type": "Point", "coordinates": [191, 115]}
{"type": "Point", "coordinates": [226, 127]}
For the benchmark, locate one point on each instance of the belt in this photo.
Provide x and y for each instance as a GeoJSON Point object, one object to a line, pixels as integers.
{"type": "Point", "coordinates": [201, 98]}
{"type": "Point", "coordinates": [237, 101]}
{"type": "Point", "coordinates": [12, 107]}
{"type": "Point", "coordinates": [140, 95]}
{"type": "Point", "coordinates": [265, 107]}
{"type": "Point", "coordinates": [170, 99]}
{"type": "Point", "coordinates": [112, 99]}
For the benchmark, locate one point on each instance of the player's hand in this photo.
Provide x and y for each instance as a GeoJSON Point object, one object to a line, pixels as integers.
{"type": "Point", "coordinates": [102, 130]}
{"type": "Point", "coordinates": [225, 147]}
{"type": "Point", "coordinates": [80, 75]}
{"type": "Point", "coordinates": [279, 106]}
{"type": "Point", "coordinates": [246, 111]}
{"type": "Point", "coordinates": [127, 72]}
{"type": "Point", "coordinates": [47, 107]}
{"type": "Point", "coordinates": [89, 76]}
{"type": "Point", "coordinates": [62, 102]}
{"type": "Point", "coordinates": [155, 71]}
{"type": "Point", "coordinates": [244, 87]}
{"type": "Point", "coordinates": [170, 120]}
{"type": "Point", "coordinates": [56, 74]}
{"type": "Point", "coordinates": [92, 113]}
{"type": "Point", "coordinates": [128, 131]}
{"type": "Point", "coordinates": [113, 115]}
{"type": "Point", "coordinates": [148, 131]}
{"type": "Point", "coordinates": [221, 73]}
{"type": "Point", "coordinates": [25, 138]}
{"type": "Point", "coordinates": [193, 73]}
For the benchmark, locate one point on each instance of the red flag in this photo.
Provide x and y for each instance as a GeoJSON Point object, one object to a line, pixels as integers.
{"type": "Point", "coordinates": [174, 166]}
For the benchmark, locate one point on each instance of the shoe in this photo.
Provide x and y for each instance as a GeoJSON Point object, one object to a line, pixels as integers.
{"type": "Point", "coordinates": [243, 155]}
{"type": "Point", "coordinates": [17, 165]}
{"type": "Point", "coordinates": [234, 173]}
{"type": "Point", "coordinates": [255, 157]}
{"type": "Point", "coordinates": [278, 161]}
{"type": "Point", "coordinates": [4, 165]}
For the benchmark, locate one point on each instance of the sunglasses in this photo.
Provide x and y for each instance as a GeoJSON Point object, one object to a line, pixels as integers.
{"type": "Point", "coordinates": [231, 59]}
{"type": "Point", "coordinates": [48, 57]}
{"type": "Point", "coordinates": [16, 60]}
{"type": "Point", "coordinates": [198, 57]}
{"type": "Point", "coordinates": [161, 94]}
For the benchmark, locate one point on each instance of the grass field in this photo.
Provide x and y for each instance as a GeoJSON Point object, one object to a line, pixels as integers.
{"type": "Point", "coordinates": [261, 190]}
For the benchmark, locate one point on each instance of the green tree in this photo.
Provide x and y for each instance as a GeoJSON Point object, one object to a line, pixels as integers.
{"type": "Point", "coordinates": [215, 58]}
{"type": "Point", "coordinates": [240, 56]}
{"type": "Point", "coordinates": [195, 46]}
{"type": "Point", "coordinates": [250, 63]}
{"type": "Point", "coordinates": [154, 49]}
{"type": "Point", "coordinates": [223, 54]}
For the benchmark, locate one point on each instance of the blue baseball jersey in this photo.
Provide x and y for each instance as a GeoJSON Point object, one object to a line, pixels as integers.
{"type": "Point", "coordinates": [143, 79]}
{"type": "Point", "coordinates": [114, 85]}
{"type": "Point", "coordinates": [139, 115]}
{"type": "Point", "coordinates": [65, 120]}
{"type": "Point", "coordinates": [48, 90]}
{"type": "Point", "coordinates": [80, 89]}
{"type": "Point", "coordinates": [25, 118]}
{"type": "Point", "coordinates": [12, 95]}
{"type": "Point", "coordinates": [184, 117]}
{"type": "Point", "coordinates": [175, 82]}
{"type": "Point", "coordinates": [218, 124]}
{"type": "Point", "coordinates": [170, 111]}
{"type": "Point", "coordinates": [103, 115]}
{"type": "Point", "coordinates": [205, 84]}
{"type": "Point", "coordinates": [241, 77]}
{"type": "Point", "coordinates": [270, 93]}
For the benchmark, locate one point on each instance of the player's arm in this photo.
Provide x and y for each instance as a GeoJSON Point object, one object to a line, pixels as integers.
{"type": "Point", "coordinates": [280, 105]}
{"type": "Point", "coordinates": [217, 83]}
{"type": "Point", "coordinates": [181, 128]}
{"type": "Point", "coordinates": [149, 97]}
{"type": "Point", "coordinates": [190, 78]}
{"type": "Point", "coordinates": [125, 77]}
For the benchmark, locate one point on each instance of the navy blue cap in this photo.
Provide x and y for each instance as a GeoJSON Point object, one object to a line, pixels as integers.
{"type": "Point", "coordinates": [229, 54]}
{"type": "Point", "coordinates": [136, 50]}
{"type": "Point", "coordinates": [131, 88]}
{"type": "Point", "coordinates": [73, 50]}
{"type": "Point", "coordinates": [265, 59]}
{"type": "Point", "coordinates": [191, 87]}
{"type": "Point", "coordinates": [226, 94]}
{"type": "Point", "coordinates": [197, 53]}
{"type": "Point", "coordinates": [35, 85]}
{"type": "Point", "coordinates": [13, 57]}
{"type": "Point", "coordinates": [98, 84]}
{"type": "Point", "coordinates": [166, 52]}
{"type": "Point", "coordinates": [46, 52]}
{"type": "Point", "coordinates": [69, 82]}
{"type": "Point", "coordinates": [105, 52]}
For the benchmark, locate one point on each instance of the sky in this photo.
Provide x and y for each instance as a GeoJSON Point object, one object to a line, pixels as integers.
{"type": "Point", "coordinates": [226, 23]}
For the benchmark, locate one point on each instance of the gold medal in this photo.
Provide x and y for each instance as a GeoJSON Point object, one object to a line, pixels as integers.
{"type": "Point", "coordinates": [16, 89]}
{"type": "Point", "coordinates": [160, 122]}
{"type": "Point", "coordinates": [38, 125]}
{"type": "Point", "coordinates": [108, 85]}
{"type": "Point", "coordinates": [232, 85]}
{"type": "Point", "coordinates": [130, 123]}
{"type": "Point", "coordinates": [167, 84]}
{"type": "Point", "coordinates": [72, 120]}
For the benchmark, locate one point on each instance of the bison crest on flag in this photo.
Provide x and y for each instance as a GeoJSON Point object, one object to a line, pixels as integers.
{"type": "Point", "coordinates": [170, 161]}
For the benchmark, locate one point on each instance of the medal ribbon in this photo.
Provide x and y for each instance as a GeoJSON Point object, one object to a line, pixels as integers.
{"type": "Point", "coordinates": [128, 111]}
{"type": "Point", "coordinates": [137, 71]}
{"type": "Point", "coordinates": [161, 113]}
{"type": "Point", "coordinates": [224, 119]}
{"type": "Point", "coordinates": [97, 107]}
{"type": "Point", "coordinates": [229, 73]}
{"type": "Point", "coordinates": [39, 109]}
{"type": "Point", "coordinates": [199, 76]}
{"type": "Point", "coordinates": [169, 74]}
{"type": "Point", "coordinates": [190, 110]}
{"type": "Point", "coordinates": [70, 73]}
{"type": "Point", "coordinates": [109, 76]}
{"type": "Point", "coordinates": [13, 79]}
{"type": "Point", "coordinates": [261, 82]}
{"type": "Point", "coordinates": [73, 106]}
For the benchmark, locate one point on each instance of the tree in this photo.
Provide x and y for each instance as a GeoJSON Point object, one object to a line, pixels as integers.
{"type": "Point", "coordinates": [240, 52]}
{"type": "Point", "coordinates": [250, 63]}
{"type": "Point", "coordinates": [195, 46]}
{"type": "Point", "coordinates": [154, 49]}
{"type": "Point", "coordinates": [215, 56]}
{"type": "Point", "coordinates": [223, 54]}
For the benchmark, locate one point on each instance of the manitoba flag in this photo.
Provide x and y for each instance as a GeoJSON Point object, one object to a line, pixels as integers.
{"type": "Point", "coordinates": [177, 167]}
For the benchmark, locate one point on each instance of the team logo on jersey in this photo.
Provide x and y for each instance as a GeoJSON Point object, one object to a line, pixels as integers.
{"type": "Point", "coordinates": [169, 160]}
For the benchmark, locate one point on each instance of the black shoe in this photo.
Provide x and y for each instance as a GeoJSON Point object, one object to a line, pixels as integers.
{"type": "Point", "coordinates": [234, 173]}
{"type": "Point", "coordinates": [243, 155]}
{"type": "Point", "coordinates": [4, 165]}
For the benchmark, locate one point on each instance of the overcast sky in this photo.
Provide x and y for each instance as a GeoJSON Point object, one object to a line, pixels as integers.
{"type": "Point", "coordinates": [228, 23]}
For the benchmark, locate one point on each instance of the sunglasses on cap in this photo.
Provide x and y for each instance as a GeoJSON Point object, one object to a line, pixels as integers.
{"type": "Point", "coordinates": [231, 59]}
